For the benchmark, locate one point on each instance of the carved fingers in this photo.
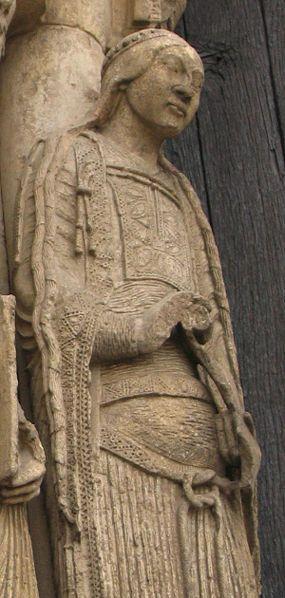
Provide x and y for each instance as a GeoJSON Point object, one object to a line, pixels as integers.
{"type": "Point", "coordinates": [238, 445]}
{"type": "Point", "coordinates": [156, 325]}
{"type": "Point", "coordinates": [26, 484]}
{"type": "Point", "coordinates": [196, 316]}
{"type": "Point", "coordinates": [21, 494]}
{"type": "Point", "coordinates": [15, 491]}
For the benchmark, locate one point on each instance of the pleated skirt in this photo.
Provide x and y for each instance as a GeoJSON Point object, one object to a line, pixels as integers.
{"type": "Point", "coordinates": [153, 544]}
{"type": "Point", "coordinates": [17, 573]}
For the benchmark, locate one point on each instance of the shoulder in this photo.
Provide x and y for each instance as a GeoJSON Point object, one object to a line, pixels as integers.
{"type": "Point", "coordinates": [176, 174]}
{"type": "Point", "coordinates": [63, 148]}
{"type": "Point", "coordinates": [178, 178]}
{"type": "Point", "coordinates": [86, 139]}
{"type": "Point", "coordinates": [86, 153]}
{"type": "Point", "coordinates": [60, 156]}
{"type": "Point", "coordinates": [187, 191]}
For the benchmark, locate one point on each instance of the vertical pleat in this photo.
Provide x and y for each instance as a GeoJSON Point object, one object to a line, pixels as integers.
{"type": "Point", "coordinates": [154, 545]}
{"type": "Point", "coordinates": [17, 574]}
{"type": "Point", "coordinates": [236, 547]}
{"type": "Point", "coordinates": [138, 538]}
{"type": "Point", "coordinates": [139, 546]}
{"type": "Point", "coordinates": [145, 524]}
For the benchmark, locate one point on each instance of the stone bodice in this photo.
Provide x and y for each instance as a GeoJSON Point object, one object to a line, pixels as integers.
{"type": "Point", "coordinates": [154, 244]}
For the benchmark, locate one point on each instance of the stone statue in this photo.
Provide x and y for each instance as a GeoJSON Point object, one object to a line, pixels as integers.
{"type": "Point", "coordinates": [152, 460]}
{"type": "Point", "coordinates": [21, 470]}
{"type": "Point", "coordinates": [74, 34]}
{"type": "Point", "coordinates": [21, 454]}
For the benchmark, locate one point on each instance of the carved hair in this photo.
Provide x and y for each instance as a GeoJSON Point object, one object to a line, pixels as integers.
{"type": "Point", "coordinates": [130, 59]}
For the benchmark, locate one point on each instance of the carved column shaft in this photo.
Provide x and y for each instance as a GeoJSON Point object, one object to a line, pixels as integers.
{"type": "Point", "coordinates": [50, 77]}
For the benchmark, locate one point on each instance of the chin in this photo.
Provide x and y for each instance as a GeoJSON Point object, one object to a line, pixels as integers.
{"type": "Point", "coordinates": [167, 128]}
{"type": "Point", "coordinates": [172, 131]}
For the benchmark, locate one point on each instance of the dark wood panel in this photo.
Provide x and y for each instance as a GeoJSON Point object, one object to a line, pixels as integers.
{"type": "Point", "coordinates": [273, 13]}
{"type": "Point", "coordinates": [234, 156]}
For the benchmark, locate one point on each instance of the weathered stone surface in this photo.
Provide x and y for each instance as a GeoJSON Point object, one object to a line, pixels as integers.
{"type": "Point", "coordinates": [27, 16]}
{"type": "Point", "coordinates": [4, 280]}
{"type": "Point", "coordinates": [21, 470]}
{"type": "Point", "coordinates": [106, 20]}
{"type": "Point", "coordinates": [8, 390]}
{"type": "Point", "coordinates": [57, 74]}
{"type": "Point", "coordinates": [56, 68]}
{"type": "Point", "coordinates": [17, 579]}
{"type": "Point", "coordinates": [21, 455]}
{"type": "Point", "coordinates": [7, 10]}
{"type": "Point", "coordinates": [152, 458]}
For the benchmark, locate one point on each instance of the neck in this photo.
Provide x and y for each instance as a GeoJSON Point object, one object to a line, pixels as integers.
{"type": "Point", "coordinates": [133, 135]}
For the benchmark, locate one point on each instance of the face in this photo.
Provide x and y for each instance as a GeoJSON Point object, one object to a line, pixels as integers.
{"type": "Point", "coordinates": [166, 96]}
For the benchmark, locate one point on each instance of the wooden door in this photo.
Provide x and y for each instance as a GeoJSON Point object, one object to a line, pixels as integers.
{"type": "Point", "coordinates": [234, 155]}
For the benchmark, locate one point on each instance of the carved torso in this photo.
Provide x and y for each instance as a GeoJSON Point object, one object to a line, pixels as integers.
{"type": "Point", "coordinates": [151, 258]}
{"type": "Point", "coordinates": [141, 247]}
{"type": "Point", "coordinates": [154, 245]}
{"type": "Point", "coordinates": [123, 240]}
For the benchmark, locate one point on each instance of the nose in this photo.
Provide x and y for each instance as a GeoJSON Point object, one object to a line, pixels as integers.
{"type": "Point", "coordinates": [183, 92]}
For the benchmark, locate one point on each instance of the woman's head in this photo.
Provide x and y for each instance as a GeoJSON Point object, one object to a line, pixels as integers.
{"type": "Point", "coordinates": [160, 74]}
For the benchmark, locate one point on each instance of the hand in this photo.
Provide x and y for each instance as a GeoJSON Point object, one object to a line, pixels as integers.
{"type": "Point", "coordinates": [196, 318]}
{"type": "Point", "coordinates": [238, 445]}
{"type": "Point", "coordinates": [156, 324]}
{"type": "Point", "coordinates": [25, 485]}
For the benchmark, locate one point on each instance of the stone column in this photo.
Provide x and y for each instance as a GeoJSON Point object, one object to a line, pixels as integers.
{"type": "Point", "coordinates": [50, 79]}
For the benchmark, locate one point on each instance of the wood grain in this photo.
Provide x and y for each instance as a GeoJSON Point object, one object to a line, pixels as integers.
{"type": "Point", "coordinates": [234, 155]}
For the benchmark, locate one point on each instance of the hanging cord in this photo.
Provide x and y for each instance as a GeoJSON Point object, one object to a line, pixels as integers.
{"type": "Point", "coordinates": [84, 228]}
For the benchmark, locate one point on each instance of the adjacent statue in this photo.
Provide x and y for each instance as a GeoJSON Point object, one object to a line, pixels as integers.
{"type": "Point", "coordinates": [152, 460]}
{"type": "Point", "coordinates": [21, 470]}
{"type": "Point", "coordinates": [21, 455]}
{"type": "Point", "coordinates": [7, 10]}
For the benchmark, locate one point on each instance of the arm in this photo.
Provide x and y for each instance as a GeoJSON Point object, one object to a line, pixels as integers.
{"type": "Point", "coordinates": [121, 336]}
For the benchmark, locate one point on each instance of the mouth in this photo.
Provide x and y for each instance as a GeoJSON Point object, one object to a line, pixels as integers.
{"type": "Point", "coordinates": [178, 108]}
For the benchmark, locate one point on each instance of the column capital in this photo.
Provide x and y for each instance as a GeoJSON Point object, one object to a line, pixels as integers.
{"type": "Point", "coordinates": [106, 20]}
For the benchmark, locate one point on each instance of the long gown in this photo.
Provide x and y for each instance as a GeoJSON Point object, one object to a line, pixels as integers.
{"type": "Point", "coordinates": [106, 241]}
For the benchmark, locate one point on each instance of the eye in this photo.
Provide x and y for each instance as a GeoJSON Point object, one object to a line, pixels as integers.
{"type": "Point", "coordinates": [173, 65]}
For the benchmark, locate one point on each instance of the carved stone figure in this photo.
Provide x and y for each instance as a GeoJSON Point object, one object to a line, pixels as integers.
{"type": "Point", "coordinates": [21, 470]}
{"type": "Point", "coordinates": [21, 454]}
{"type": "Point", "coordinates": [152, 460]}
{"type": "Point", "coordinates": [54, 55]}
